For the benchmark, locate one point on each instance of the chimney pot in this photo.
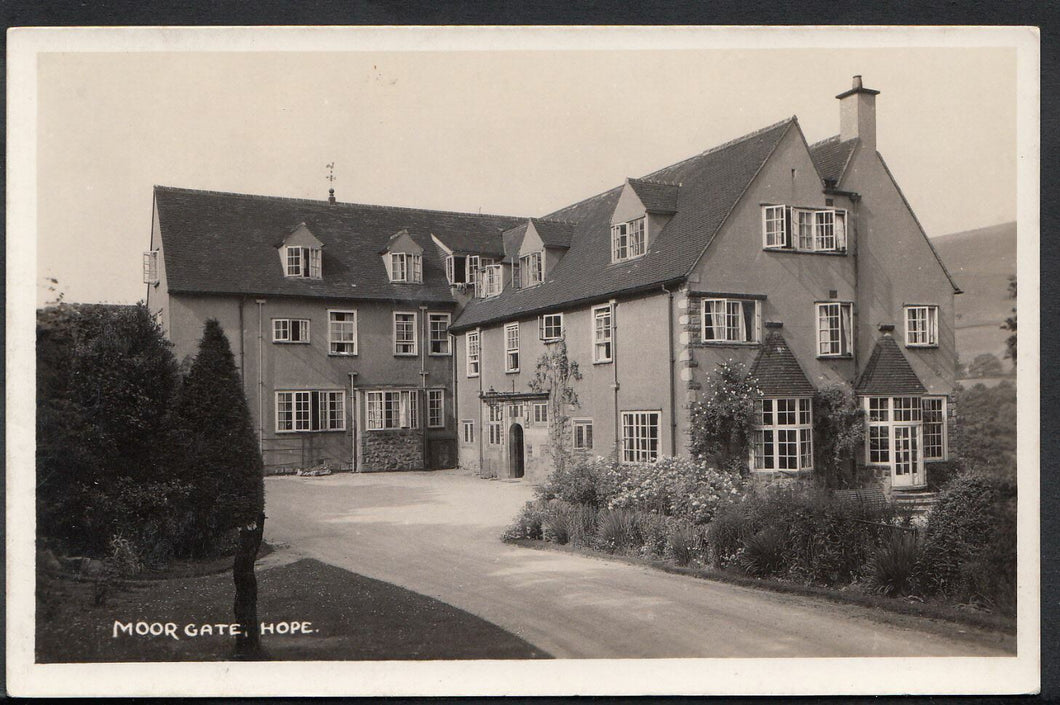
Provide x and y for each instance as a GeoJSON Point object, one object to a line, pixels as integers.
{"type": "Point", "coordinates": [331, 195]}
{"type": "Point", "coordinates": [857, 81]}
{"type": "Point", "coordinates": [776, 325]}
{"type": "Point", "coordinates": [887, 328]}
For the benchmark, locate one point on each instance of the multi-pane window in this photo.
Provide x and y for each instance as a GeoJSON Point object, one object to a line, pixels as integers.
{"type": "Point", "coordinates": [495, 427]}
{"type": "Point", "coordinates": [290, 330]}
{"type": "Point", "coordinates": [883, 413]}
{"type": "Point", "coordinates": [392, 409]}
{"type": "Point", "coordinates": [922, 326]}
{"type": "Point", "coordinates": [435, 408]}
{"type": "Point", "coordinates": [405, 334]}
{"type": "Point", "coordinates": [583, 434]}
{"type": "Point", "coordinates": [775, 226]}
{"type": "Point", "coordinates": [489, 282]}
{"type": "Point", "coordinates": [406, 267]}
{"type": "Point", "coordinates": [151, 267]}
{"type": "Point", "coordinates": [730, 320]}
{"type": "Point", "coordinates": [541, 413]}
{"type": "Point", "coordinates": [473, 264]}
{"type": "Point", "coordinates": [310, 411]}
{"type": "Point", "coordinates": [472, 351]}
{"type": "Point", "coordinates": [640, 436]}
{"type": "Point", "coordinates": [627, 240]}
{"type": "Point", "coordinates": [602, 333]}
{"type": "Point", "coordinates": [783, 434]}
{"type": "Point", "coordinates": [531, 269]}
{"type": "Point", "coordinates": [804, 229]}
{"type": "Point", "coordinates": [515, 411]}
{"type": "Point", "coordinates": [467, 431]}
{"type": "Point", "coordinates": [511, 347]}
{"type": "Point", "coordinates": [439, 333]}
{"type": "Point", "coordinates": [303, 262]}
{"type": "Point", "coordinates": [834, 338]}
{"type": "Point", "coordinates": [342, 332]}
{"type": "Point", "coordinates": [934, 420]}
{"type": "Point", "coordinates": [550, 326]}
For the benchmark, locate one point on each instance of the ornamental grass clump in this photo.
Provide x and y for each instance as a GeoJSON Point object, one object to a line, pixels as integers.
{"type": "Point", "coordinates": [891, 568]}
{"type": "Point", "coordinates": [617, 530]}
{"type": "Point", "coordinates": [555, 525]}
{"type": "Point", "coordinates": [581, 525]}
{"type": "Point", "coordinates": [682, 542]}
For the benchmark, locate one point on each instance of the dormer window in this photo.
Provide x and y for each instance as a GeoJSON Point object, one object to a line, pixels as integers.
{"type": "Point", "coordinates": [627, 240]}
{"type": "Point", "coordinates": [804, 229]}
{"type": "Point", "coordinates": [473, 264]}
{"type": "Point", "coordinates": [303, 262]}
{"type": "Point", "coordinates": [455, 269]}
{"type": "Point", "coordinates": [531, 269]}
{"type": "Point", "coordinates": [406, 267]}
{"type": "Point", "coordinates": [489, 281]}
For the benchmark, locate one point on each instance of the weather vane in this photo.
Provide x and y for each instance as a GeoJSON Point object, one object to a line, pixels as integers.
{"type": "Point", "coordinates": [331, 178]}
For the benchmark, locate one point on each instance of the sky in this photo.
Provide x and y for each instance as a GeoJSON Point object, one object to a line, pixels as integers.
{"type": "Point", "coordinates": [513, 132]}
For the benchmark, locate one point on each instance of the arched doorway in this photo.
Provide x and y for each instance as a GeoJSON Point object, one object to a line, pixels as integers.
{"type": "Point", "coordinates": [515, 451]}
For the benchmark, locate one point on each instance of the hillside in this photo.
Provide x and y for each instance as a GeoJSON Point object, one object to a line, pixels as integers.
{"type": "Point", "coordinates": [981, 262]}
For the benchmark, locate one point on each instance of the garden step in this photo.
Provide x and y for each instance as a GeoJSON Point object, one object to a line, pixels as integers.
{"type": "Point", "coordinates": [916, 500]}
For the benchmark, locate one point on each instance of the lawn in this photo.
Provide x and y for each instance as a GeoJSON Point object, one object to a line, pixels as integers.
{"type": "Point", "coordinates": [352, 618]}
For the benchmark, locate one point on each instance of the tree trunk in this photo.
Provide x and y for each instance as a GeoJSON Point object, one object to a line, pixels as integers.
{"type": "Point", "coordinates": [248, 641]}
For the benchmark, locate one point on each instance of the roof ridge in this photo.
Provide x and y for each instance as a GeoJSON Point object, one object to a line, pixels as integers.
{"type": "Point", "coordinates": [554, 220]}
{"type": "Point", "coordinates": [725, 145]}
{"type": "Point", "coordinates": [262, 197]}
{"type": "Point", "coordinates": [827, 139]}
{"type": "Point", "coordinates": [654, 181]}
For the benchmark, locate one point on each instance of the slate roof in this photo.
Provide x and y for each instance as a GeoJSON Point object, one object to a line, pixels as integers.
{"type": "Point", "coordinates": [778, 373]}
{"type": "Point", "coordinates": [887, 373]}
{"type": "Point", "coordinates": [227, 243]}
{"type": "Point", "coordinates": [657, 196]}
{"type": "Point", "coordinates": [831, 157]}
{"type": "Point", "coordinates": [711, 185]}
{"type": "Point", "coordinates": [554, 233]}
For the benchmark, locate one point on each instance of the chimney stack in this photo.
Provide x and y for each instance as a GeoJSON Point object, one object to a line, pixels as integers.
{"type": "Point", "coordinates": [857, 114]}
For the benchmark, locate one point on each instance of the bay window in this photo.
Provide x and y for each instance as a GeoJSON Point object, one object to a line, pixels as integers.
{"type": "Point", "coordinates": [783, 434]}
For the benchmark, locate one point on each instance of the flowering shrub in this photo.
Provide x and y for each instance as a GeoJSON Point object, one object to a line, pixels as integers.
{"type": "Point", "coordinates": [579, 482]}
{"type": "Point", "coordinates": [676, 487]}
{"type": "Point", "coordinates": [528, 524]}
{"type": "Point", "coordinates": [721, 424]}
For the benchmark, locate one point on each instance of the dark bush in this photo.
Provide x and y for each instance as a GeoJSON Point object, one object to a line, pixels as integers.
{"type": "Point", "coordinates": [577, 482]}
{"type": "Point", "coordinates": [823, 539]}
{"type": "Point", "coordinates": [985, 428]}
{"type": "Point", "coordinates": [969, 552]}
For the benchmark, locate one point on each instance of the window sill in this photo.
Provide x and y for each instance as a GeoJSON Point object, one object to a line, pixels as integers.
{"type": "Point", "coordinates": [847, 356]}
{"type": "Point", "coordinates": [448, 354]}
{"type": "Point", "coordinates": [511, 372]}
{"type": "Point", "coordinates": [627, 260]}
{"type": "Point", "coordinates": [922, 346]}
{"type": "Point", "coordinates": [472, 376]}
{"type": "Point", "coordinates": [602, 362]}
{"type": "Point", "coordinates": [411, 354]}
{"type": "Point", "coordinates": [322, 430]}
{"type": "Point", "coordinates": [725, 344]}
{"type": "Point", "coordinates": [335, 354]}
{"type": "Point", "coordinates": [787, 471]}
{"type": "Point", "coordinates": [791, 251]}
{"type": "Point", "coordinates": [291, 342]}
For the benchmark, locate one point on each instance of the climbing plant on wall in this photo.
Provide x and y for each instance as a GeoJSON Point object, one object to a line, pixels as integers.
{"type": "Point", "coordinates": [556, 374]}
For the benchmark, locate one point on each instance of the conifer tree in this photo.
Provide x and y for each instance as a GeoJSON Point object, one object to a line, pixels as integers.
{"type": "Point", "coordinates": [225, 467]}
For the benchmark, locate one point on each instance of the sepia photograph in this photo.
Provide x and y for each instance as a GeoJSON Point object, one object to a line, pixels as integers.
{"type": "Point", "coordinates": [522, 361]}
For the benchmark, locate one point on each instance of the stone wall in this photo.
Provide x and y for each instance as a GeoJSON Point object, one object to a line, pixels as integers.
{"type": "Point", "coordinates": [392, 450]}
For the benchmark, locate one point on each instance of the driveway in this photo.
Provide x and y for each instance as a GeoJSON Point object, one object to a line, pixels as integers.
{"type": "Point", "coordinates": [438, 534]}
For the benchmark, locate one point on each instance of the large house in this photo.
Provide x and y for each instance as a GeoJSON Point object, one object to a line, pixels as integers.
{"type": "Point", "coordinates": [803, 261]}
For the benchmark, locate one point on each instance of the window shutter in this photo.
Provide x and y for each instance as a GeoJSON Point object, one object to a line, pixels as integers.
{"type": "Point", "coordinates": [841, 230]}
{"type": "Point", "coordinates": [516, 267]}
{"type": "Point", "coordinates": [786, 235]}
